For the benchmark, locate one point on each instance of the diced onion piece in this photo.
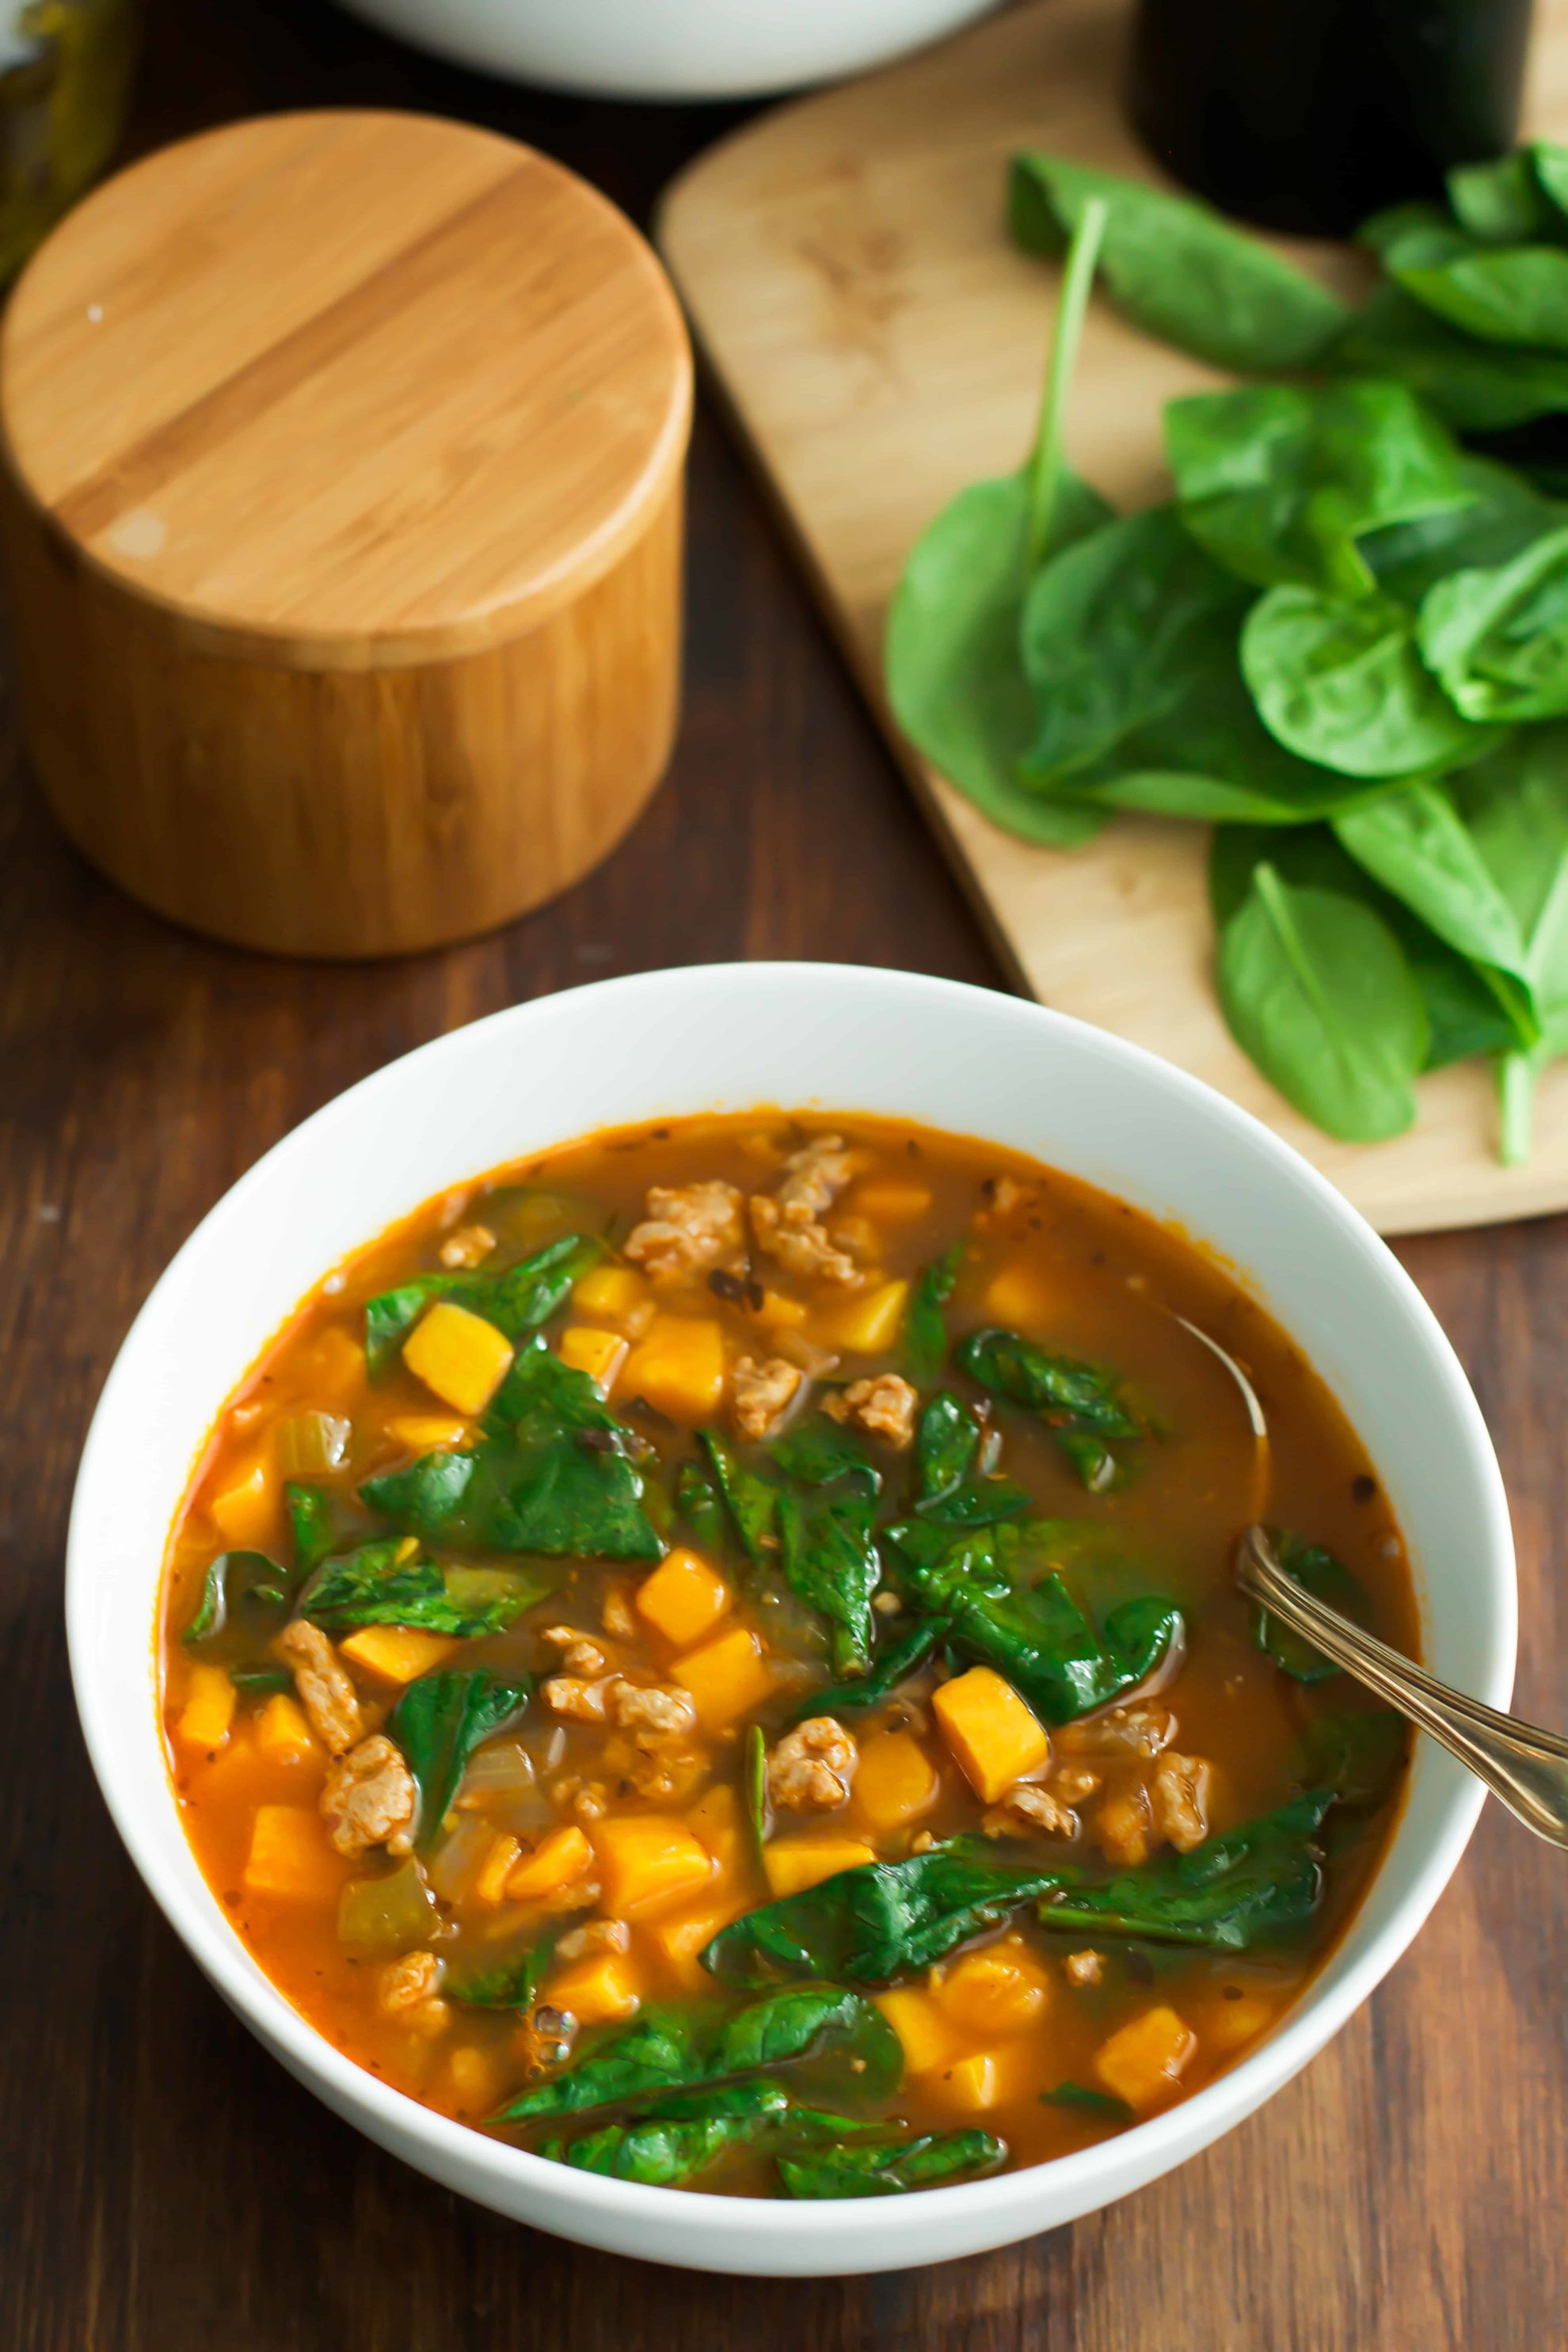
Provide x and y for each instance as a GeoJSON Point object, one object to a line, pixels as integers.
{"type": "Point", "coordinates": [311, 1443]}
{"type": "Point", "coordinates": [386, 1915]}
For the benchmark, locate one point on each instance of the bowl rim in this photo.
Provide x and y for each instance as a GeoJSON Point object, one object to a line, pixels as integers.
{"type": "Point", "coordinates": [1162, 2141]}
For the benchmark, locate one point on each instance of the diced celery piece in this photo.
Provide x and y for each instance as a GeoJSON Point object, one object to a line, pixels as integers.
{"type": "Point", "coordinates": [386, 1915]}
{"type": "Point", "coordinates": [311, 1443]}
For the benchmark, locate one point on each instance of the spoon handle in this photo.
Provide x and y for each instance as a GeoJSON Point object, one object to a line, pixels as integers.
{"type": "Point", "coordinates": [1525, 1767]}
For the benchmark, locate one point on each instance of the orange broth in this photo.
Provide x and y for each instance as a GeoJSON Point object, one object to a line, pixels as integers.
{"type": "Point", "coordinates": [527, 1848]}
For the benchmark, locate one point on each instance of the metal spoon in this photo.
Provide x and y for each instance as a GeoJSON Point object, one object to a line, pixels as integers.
{"type": "Point", "coordinates": [1525, 1767]}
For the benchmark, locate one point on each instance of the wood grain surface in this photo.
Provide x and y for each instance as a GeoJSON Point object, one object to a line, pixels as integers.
{"type": "Point", "coordinates": [163, 2186]}
{"type": "Point", "coordinates": [880, 343]}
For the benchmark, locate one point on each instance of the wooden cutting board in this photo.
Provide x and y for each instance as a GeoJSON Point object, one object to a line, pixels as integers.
{"type": "Point", "coordinates": [880, 343]}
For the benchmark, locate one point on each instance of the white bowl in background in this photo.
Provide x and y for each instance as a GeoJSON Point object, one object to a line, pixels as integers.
{"type": "Point", "coordinates": [670, 48]}
{"type": "Point", "coordinates": [841, 1038]}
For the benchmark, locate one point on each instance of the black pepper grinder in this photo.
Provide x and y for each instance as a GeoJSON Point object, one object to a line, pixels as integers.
{"type": "Point", "coordinates": [1308, 115]}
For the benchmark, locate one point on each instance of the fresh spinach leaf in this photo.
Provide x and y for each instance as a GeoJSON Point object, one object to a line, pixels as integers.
{"type": "Point", "coordinates": [1343, 684]}
{"type": "Point", "coordinates": [388, 1583]}
{"type": "Point", "coordinates": [1497, 639]}
{"type": "Point", "coordinates": [1081, 1404]}
{"type": "Point", "coordinates": [1177, 268]}
{"type": "Point", "coordinates": [826, 1549]}
{"type": "Point", "coordinates": [661, 2153]}
{"type": "Point", "coordinates": [1358, 1752]}
{"type": "Point", "coordinates": [1279, 482]}
{"type": "Point", "coordinates": [925, 1327]}
{"type": "Point", "coordinates": [950, 659]}
{"type": "Point", "coordinates": [754, 1774]}
{"type": "Point", "coordinates": [1259, 1881]}
{"type": "Point", "coordinates": [861, 2171]}
{"type": "Point", "coordinates": [1475, 387]}
{"type": "Point", "coordinates": [258, 1682]}
{"type": "Point", "coordinates": [868, 1925]}
{"type": "Point", "coordinates": [753, 1501]}
{"type": "Point", "coordinates": [1316, 991]}
{"type": "Point", "coordinates": [1505, 515]}
{"type": "Point", "coordinates": [1504, 202]}
{"type": "Point", "coordinates": [665, 2050]}
{"type": "Point", "coordinates": [244, 1601]}
{"type": "Point", "coordinates": [549, 1476]}
{"type": "Point", "coordinates": [1320, 1574]}
{"type": "Point", "coordinates": [517, 1300]}
{"type": "Point", "coordinates": [1099, 2105]}
{"type": "Point", "coordinates": [439, 1722]}
{"type": "Point", "coordinates": [887, 1670]}
{"type": "Point", "coordinates": [1501, 294]}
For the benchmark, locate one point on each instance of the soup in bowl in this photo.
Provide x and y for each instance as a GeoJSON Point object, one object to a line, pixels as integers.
{"type": "Point", "coordinates": [704, 1658]}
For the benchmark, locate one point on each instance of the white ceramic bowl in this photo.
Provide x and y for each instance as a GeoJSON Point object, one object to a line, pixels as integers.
{"type": "Point", "coordinates": [670, 48]}
{"type": "Point", "coordinates": [731, 1036]}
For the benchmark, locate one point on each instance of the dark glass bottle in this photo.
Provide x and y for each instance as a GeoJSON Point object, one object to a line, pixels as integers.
{"type": "Point", "coordinates": [1310, 114]}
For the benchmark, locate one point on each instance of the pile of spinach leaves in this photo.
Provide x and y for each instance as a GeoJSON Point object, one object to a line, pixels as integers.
{"type": "Point", "coordinates": [1343, 641]}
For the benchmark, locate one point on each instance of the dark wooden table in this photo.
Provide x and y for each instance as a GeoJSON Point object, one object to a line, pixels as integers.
{"type": "Point", "coordinates": [163, 2184]}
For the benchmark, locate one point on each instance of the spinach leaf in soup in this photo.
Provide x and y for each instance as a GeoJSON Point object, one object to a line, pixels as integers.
{"type": "Point", "coordinates": [244, 1600]}
{"type": "Point", "coordinates": [1080, 1403]}
{"type": "Point", "coordinates": [950, 659]}
{"type": "Point", "coordinates": [925, 1327]}
{"type": "Point", "coordinates": [947, 1444]}
{"type": "Point", "coordinates": [1317, 1572]}
{"type": "Point", "coordinates": [1095, 2106]}
{"type": "Point", "coordinates": [1343, 683]}
{"type": "Point", "coordinates": [664, 2151]}
{"type": "Point", "coordinates": [510, 1984]}
{"type": "Point", "coordinates": [1178, 268]}
{"type": "Point", "coordinates": [1358, 1752]}
{"type": "Point", "coordinates": [891, 1667]}
{"type": "Point", "coordinates": [1497, 639]}
{"type": "Point", "coordinates": [699, 1507]}
{"type": "Point", "coordinates": [826, 1549]}
{"type": "Point", "coordinates": [872, 1923]}
{"type": "Point", "coordinates": [663, 2050]}
{"type": "Point", "coordinates": [439, 1722]}
{"type": "Point", "coordinates": [890, 2171]}
{"type": "Point", "coordinates": [516, 1299]}
{"type": "Point", "coordinates": [1279, 482]}
{"type": "Point", "coordinates": [1031, 1632]}
{"type": "Point", "coordinates": [1244, 1887]}
{"type": "Point", "coordinates": [313, 1524]}
{"type": "Point", "coordinates": [1316, 991]}
{"type": "Point", "coordinates": [549, 1474]}
{"type": "Point", "coordinates": [394, 1583]}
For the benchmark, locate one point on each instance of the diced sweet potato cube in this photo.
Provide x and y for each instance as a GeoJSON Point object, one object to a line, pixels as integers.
{"type": "Point", "coordinates": [1001, 1989]}
{"type": "Point", "coordinates": [928, 2037]}
{"type": "Point", "coordinates": [290, 1858]}
{"type": "Point", "coordinates": [971, 2084]}
{"type": "Point", "coordinates": [396, 1654]}
{"type": "Point", "coordinates": [678, 1366]}
{"type": "Point", "coordinates": [246, 1508]}
{"type": "Point", "coordinates": [649, 1863]}
{"type": "Point", "coordinates": [555, 1862]}
{"type": "Point", "coordinates": [426, 1433]}
{"type": "Point", "coordinates": [473, 2079]}
{"type": "Point", "coordinates": [491, 1879]}
{"type": "Point", "coordinates": [684, 1598]}
{"type": "Point", "coordinates": [597, 1990]}
{"type": "Point", "coordinates": [679, 1941]}
{"type": "Point", "coordinates": [335, 1367]}
{"type": "Point", "coordinates": [459, 1356]}
{"type": "Point", "coordinates": [600, 1354]}
{"type": "Point", "coordinates": [726, 1677]}
{"type": "Point", "coordinates": [781, 1313]}
{"type": "Point", "coordinates": [283, 1733]}
{"type": "Point", "coordinates": [891, 1199]}
{"type": "Point", "coordinates": [1226, 2025]}
{"type": "Point", "coordinates": [793, 1863]}
{"type": "Point", "coordinates": [1017, 1297]}
{"type": "Point", "coordinates": [612, 1290]}
{"type": "Point", "coordinates": [1145, 2060]}
{"type": "Point", "coordinates": [992, 1734]}
{"type": "Point", "coordinates": [717, 1820]}
{"type": "Point", "coordinates": [205, 1719]}
{"type": "Point", "coordinates": [867, 1324]}
{"type": "Point", "coordinates": [896, 1781]}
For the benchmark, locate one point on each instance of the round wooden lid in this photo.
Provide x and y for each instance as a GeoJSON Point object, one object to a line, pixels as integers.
{"type": "Point", "coordinates": [347, 390]}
